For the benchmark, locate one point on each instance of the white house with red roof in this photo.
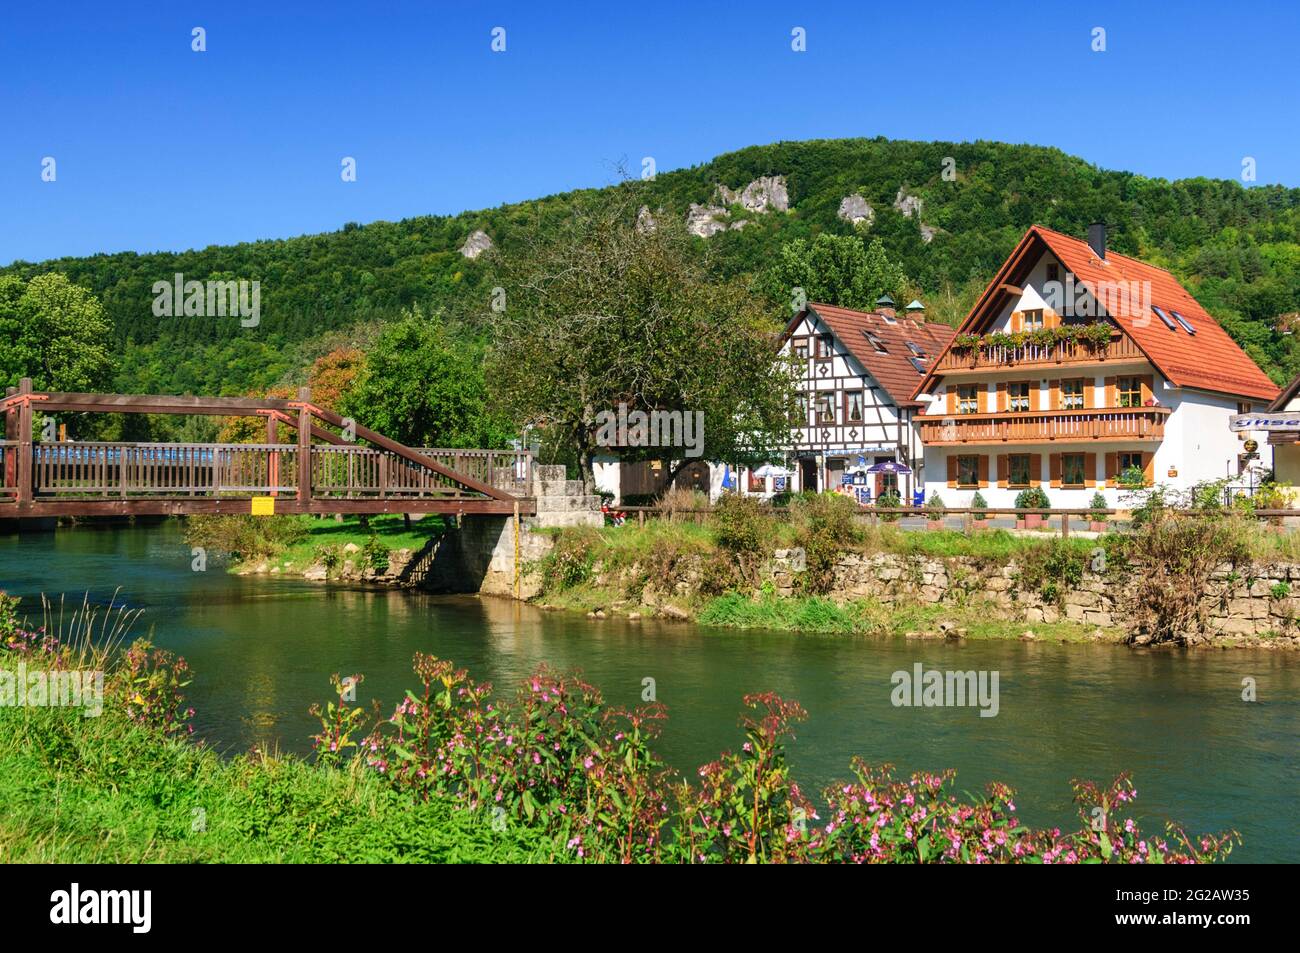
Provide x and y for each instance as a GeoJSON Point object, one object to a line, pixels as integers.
{"type": "Point", "coordinates": [1076, 366]}
{"type": "Point", "coordinates": [857, 373]}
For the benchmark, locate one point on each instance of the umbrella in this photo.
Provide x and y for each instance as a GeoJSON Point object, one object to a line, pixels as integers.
{"type": "Point", "coordinates": [768, 470]}
{"type": "Point", "coordinates": [889, 466]}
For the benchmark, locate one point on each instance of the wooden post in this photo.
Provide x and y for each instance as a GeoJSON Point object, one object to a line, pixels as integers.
{"type": "Point", "coordinates": [11, 433]}
{"type": "Point", "coordinates": [272, 456]}
{"type": "Point", "coordinates": [25, 443]}
{"type": "Point", "coordinates": [304, 446]}
{"type": "Point", "coordinates": [1065, 525]}
{"type": "Point", "coordinates": [516, 549]}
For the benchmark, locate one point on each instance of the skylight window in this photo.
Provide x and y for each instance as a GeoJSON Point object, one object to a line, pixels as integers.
{"type": "Point", "coordinates": [916, 362]}
{"type": "Point", "coordinates": [1164, 317]}
{"type": "Point", "coordinates": [1187, 325]}
{"type": "Point", "coordinates": [915, 350]}
{"type": "Point", "coordinates": [878, 344]}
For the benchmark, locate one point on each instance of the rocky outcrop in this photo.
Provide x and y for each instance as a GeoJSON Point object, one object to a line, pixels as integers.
{"type": "Point", "coordinates": [910, 206]}
{"type": "Point", "coordinates": [477, 243]}
{"type": "Point", "coordinates": [855, 210]}
{"type": "Point", "coordinates": [645, 222]}
{"type": "Point", "coordinates": [765, 194]}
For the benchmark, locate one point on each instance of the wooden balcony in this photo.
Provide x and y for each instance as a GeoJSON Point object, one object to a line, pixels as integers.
{"type": "Point", "coordinates": [1121, 349]}
{"type": "Point", "coordinates": [1108, 424]}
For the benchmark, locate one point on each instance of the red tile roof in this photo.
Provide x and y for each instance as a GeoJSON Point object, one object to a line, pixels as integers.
{"type": "Point", "coordinates": [892, 370]}
{"type": "Point", "coordinates": [1208, 360]}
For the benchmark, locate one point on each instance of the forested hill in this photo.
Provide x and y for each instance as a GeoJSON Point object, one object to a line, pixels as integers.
{"type": "Point", "coordinates": [1237, 249]}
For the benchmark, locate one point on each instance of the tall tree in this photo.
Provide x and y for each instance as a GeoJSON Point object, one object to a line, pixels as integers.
{"type": "Point", "coordinates": [601, 312]}
{"type": "Point", "coordinates": [835, 269]}
{"type": "Point", "coordinates": [54, 332]}
{"type": "Point", "coordinates": [422, 385]}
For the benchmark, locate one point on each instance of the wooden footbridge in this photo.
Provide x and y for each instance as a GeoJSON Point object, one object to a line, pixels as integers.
{"type": "Point", "coordinates": [334, 466]}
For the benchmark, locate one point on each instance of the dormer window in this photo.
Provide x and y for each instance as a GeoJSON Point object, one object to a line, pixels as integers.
{"type": "Point", "coordinates": [915, 350]}
{"type": "Point", "coordinates": [878, 344]}
{"type": "Point", "coordinates": [1033, 320]}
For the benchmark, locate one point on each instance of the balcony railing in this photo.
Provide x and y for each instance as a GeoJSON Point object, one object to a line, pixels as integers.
{"type": "Point", "coordinates": [986, 357]}
{"type": "Point", "coordinates": [1106, 423]}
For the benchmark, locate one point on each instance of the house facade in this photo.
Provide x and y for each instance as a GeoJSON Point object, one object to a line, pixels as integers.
{"type": "Point", "coordinates": [1076, 366]}
{"type": "Point", "coordinates": [857, 372]}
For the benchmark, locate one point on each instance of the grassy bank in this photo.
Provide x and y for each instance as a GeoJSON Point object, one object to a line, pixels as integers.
{"type": "Point", "coordinates": [294, 544]}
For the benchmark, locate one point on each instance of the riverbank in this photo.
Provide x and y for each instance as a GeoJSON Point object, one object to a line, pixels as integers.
{"type": "Point", "coordinates": [455, 774]}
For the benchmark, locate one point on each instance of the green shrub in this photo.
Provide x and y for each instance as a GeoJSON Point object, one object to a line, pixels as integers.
{"type": "Point", "coordinates": [825, 526]}
{"type": "Point", "coordinates": [375, 554]}
{"type": "Point", "coordinates": [978, 502]}
{"type": "Point", "coordinates": [934, 507]}
{"type": "Point", "coordinates": [1099, 507]}
{"type": "Point", "coordinates": [571, 559]}
{"type": "Point", "coordinates": [244, 536]}
{"type": "Point", "coordinates": [1033, 498]}
{"type": "Point", "coordinates": [890, 499]}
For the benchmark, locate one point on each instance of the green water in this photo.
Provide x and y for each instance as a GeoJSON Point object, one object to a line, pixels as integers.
{"type": "Point", "coordinates": [263, 649]}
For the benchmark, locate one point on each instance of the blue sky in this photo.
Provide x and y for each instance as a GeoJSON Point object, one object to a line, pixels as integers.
{"type": "Point", "coordinates": [159, 147]}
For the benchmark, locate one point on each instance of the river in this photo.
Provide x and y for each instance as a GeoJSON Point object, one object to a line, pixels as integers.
{"type": "Point", "coordinates": [263, 648]}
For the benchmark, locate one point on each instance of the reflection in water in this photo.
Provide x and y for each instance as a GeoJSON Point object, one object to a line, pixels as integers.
{"type": "Point", "coordinates": [262, 650]}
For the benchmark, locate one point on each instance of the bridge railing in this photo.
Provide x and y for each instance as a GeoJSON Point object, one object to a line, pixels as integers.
{"type": "Point", "coordinates": [121, 469]}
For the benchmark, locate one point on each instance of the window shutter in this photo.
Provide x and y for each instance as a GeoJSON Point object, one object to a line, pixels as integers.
{"type": "Point", "coordinates": [1112, 469]}
{"type": "Point", "coordinates": [1148, 468]}
{"type": "Point", "coordinates": [952, 470]}
{"type": "Point", "coordinates": [1035, 469]}
{"type": "Point", "coordinates": [1003, 469]}
{"type": "Point", "coordinates": [1050, 318]}
{"type": "Point", "coordinates": [982, 399]}
{"type": "Point", "coordinates": [1017, 321]}
{"type": "Point", "coordinates": [1054, 390]}
{"type": "Point", "coordinates": [952, 400]}
{"type": "Point", "coordinates": [1111, 399]}
{"type": "Point", "coordinates": [1002, 398]}
{"type": "Point", "coordinates": [1146, 388]}
{"type": "Point", "coordinates": [984, 470]}
{"type": "Point", "coordinates": [1054, 469]}
{"type": "Point", "coordinates": [1089, 469]}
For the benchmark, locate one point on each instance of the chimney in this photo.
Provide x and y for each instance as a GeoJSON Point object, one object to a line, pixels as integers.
{"type": "Point", "coordinates": [916, 310]}
{"type": "Point", "coordinates": [885, 305]}
{"type": "Point", "coordinates": [1097, 239]}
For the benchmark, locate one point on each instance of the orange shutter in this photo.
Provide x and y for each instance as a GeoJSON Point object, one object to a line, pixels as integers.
{"type": "Point", "coordinates": [1111, 399]}
{"type": "Point", "coordinates": [1017, 321]}
{"type": "Point", "coordinates": [1112, 469]}
{"type": "Point", "coordinates": [1146, 388]}
{"type": "Point", "coordinates": [1148, 468]}
{"type": "Point", "coordinates": [952, 400]}
{"type": "Point", "coordinates": [1002, 398]}
{"type": "Point", "coordinates": [982, 399]}
{"type": "Point", "coordinates": [984, 470]}
{"type": "Point", "coordinates": [1035, 469]}
{"type": "Point", "coordinates": [1035, 396]}
{"type": "Point", "coordinates": [1054, 468]}
{"type": "Point", "coordinates": [1054, 395]}
{"type": "Point", "coordinates": [952, 470]}
{"type": "Point", "coordinates": [1089, 469]}
{"type": "Point", "coordinates": [1003, 468]}
{"type": "Point", "coordinates": [1050, 318]}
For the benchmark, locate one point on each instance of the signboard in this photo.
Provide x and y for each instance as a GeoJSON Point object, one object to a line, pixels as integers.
{"type": "Point", "coordinates": [1289, 420]}
{"type": "Point", "coordinates": [263, 506]}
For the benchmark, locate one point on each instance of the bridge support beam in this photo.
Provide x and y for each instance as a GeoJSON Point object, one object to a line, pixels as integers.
{"type": "Point", "coordinates": [25, 443]}
{"type": "Point", "coordinates": [304, 446]}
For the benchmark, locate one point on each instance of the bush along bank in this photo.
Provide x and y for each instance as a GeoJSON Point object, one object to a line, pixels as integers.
{"type": "Point", "coordinates": [455, 775]}
{"type": "Point", "coordinates": [1218, 578]}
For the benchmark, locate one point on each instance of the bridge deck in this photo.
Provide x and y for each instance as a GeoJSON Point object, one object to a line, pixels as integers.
{"type": "Point", "coordinates": [333, 475]}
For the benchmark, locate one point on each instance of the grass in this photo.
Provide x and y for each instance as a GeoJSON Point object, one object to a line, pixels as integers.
{"type": "Point", "coordinates": [327, 532]}
{"type": "Point", "coordinates": [106, 790]}
{"type": "Point", "coordinates": [872, 617]}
